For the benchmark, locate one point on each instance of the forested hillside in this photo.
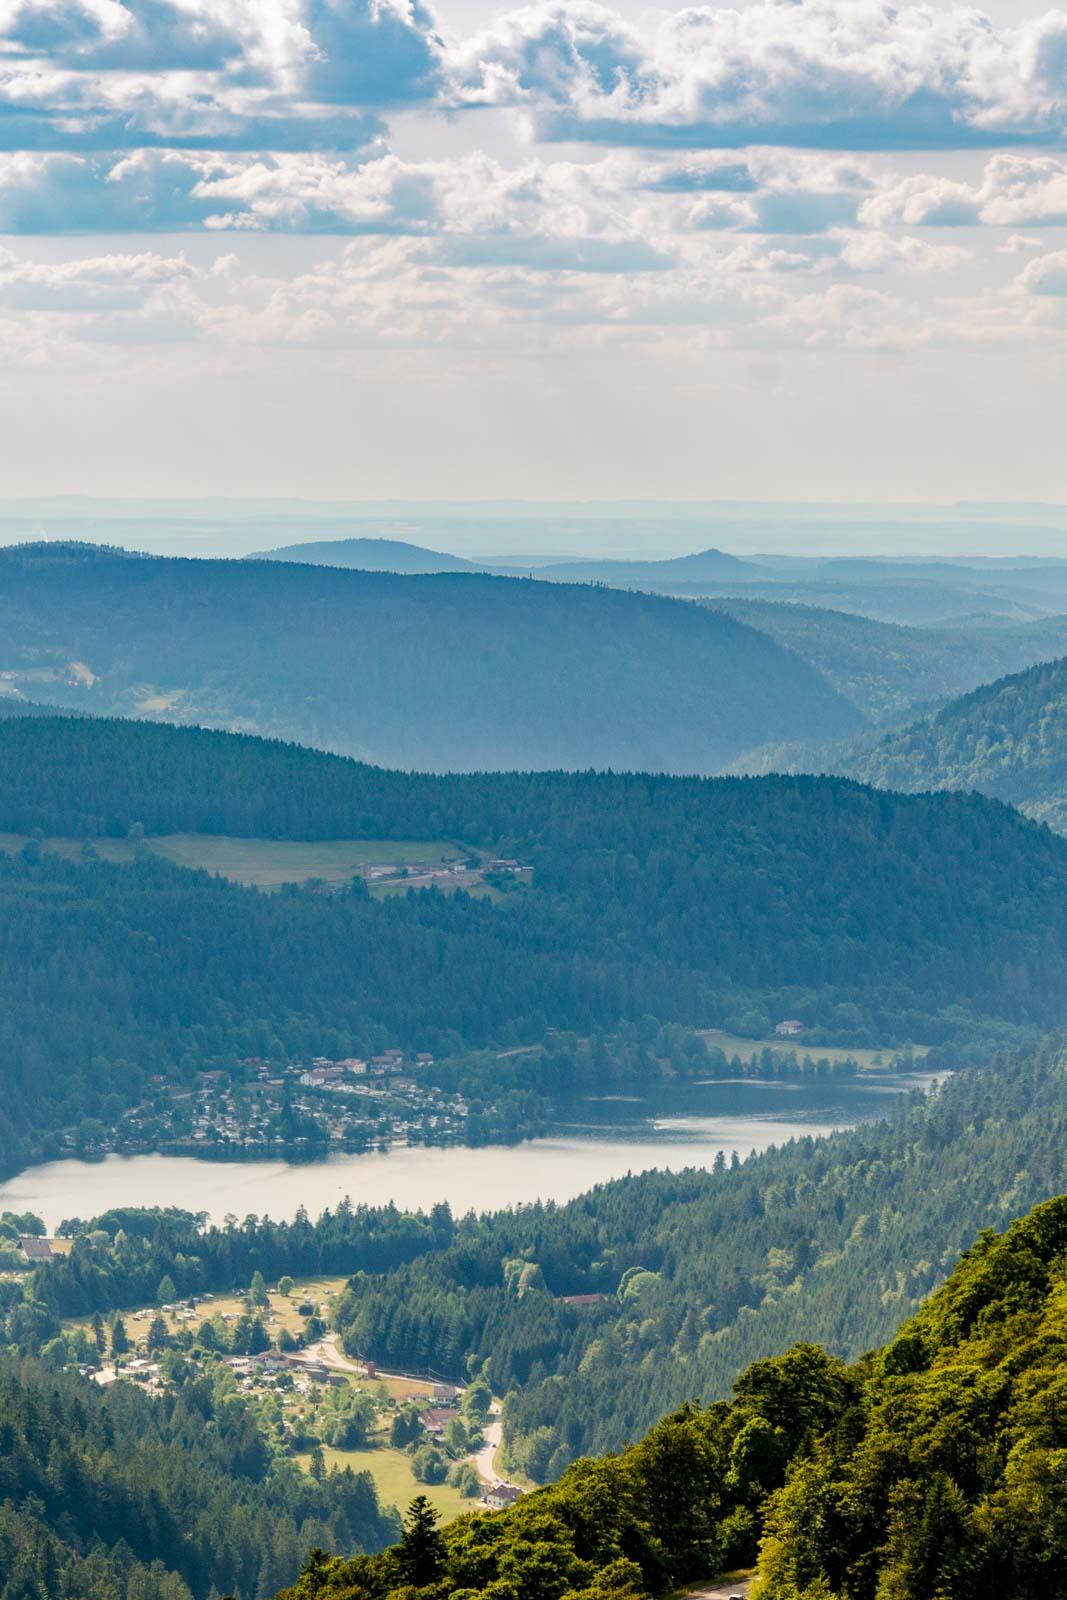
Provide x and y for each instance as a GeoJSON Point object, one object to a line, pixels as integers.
{"type": "Point", "coordinates": [697, 567]}
{"type": "Point", "coordinates": [885, 668]}
{"type": "Point", "coordinates": [119, 1495]}
{"type": "Point", "coordinates": [832, 1240]}
{"type": "Point", "coordinates": [874, 918]}
{"type": "Point", "coordinates": [1007, 739]}
{"type": "Point", "coordinates": [933, 1468]}
{"type": "Point", "coordinates": [452, 671]}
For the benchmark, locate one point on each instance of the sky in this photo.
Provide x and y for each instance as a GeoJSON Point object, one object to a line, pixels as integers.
{"type": "Point", "coordinates": [360, 249]}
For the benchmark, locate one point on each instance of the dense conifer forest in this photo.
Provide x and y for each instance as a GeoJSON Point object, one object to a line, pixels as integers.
{"type": "Point", "coordinates": [832, 1240]}
{"type": "Point", "coordinates": [873, 917]}
{"type": "Point", "coordinates": [449, 671]}
{"type": "Point", "coordinates": [885, 668]}
{"type": "Point", "coordinates": [931, 1468]}
{"type": "Point", "coordinates": [119, 1495]}
{"type": "Point", "coordinates": [699, 1273]}
{"type": "Point", "coordinates": [1007, 739]}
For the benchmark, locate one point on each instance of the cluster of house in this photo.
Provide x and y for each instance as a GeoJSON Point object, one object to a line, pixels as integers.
{"type": "Point", "coordinates": [789, 1028]}
{"type": "Point", "coordinates": [325, 1073]}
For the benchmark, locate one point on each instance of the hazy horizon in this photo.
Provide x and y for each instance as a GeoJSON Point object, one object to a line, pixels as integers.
{"type": "Point", "coordinates": [543, 531]}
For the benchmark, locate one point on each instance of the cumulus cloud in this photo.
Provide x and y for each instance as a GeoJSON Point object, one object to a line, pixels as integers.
{"type": "Point", "coordinates": [855, 74]}
{"type": "Point", "coordinates": [731, 171]}
{"type": "Point", "coordinates": [1045, 275]}
{"type": "Point", "coordinates": [95, 75]}
{"type": "Point", "coordinates": [93, 284]}
{"type": "Point", "coordinates": [1015, 190]}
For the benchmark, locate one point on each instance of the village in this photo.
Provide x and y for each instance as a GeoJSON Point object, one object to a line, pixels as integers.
{"type": "Point", "coordinates": [272, 1350]}
{"type": "Point", "coordinates": [259, 1107]}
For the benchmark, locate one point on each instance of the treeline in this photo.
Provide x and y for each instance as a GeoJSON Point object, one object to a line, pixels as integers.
{"type": "Point", "coordinates": [118, 1260]}
{"type": "Point", "coordinates": [438, 672]}
{"type": "Point", "coordinates": [701, 1273]}
{"type": "Point", "coordinates": [112, 1494]}
{"type": "Point", "coordinates": [1007, 739]}
{"type": "Point", "coordinates": [932, 1468]}
{"type": "Point", "coordinates": [876, 919]}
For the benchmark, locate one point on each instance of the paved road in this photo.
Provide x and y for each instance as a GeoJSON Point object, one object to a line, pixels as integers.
{"type": "Point", "coordinates": [721, 1591]}
{"type": "Point", "coordinates": [483, 1459]}
{"type": "Point", "coordinates": [328, 1353]}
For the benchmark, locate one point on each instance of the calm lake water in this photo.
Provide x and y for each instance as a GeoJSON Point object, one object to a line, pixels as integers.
{"type": "Point", "coordinates": [606, 1139]}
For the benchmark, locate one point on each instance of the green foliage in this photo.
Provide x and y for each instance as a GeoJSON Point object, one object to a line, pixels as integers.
{"type": "Point", "coordinates": [464, 1477]}
{"type": "Point", "coordinates": [457, 671]}
{"type": "Point", "coordinates": [110, 1494]}
{"type": "Point", "coordinates": [834, 1240]}
{"type": "Point", "coordinates": [944, 1481]}
{"type": "Point", "coordinates": [887, 669]}
{"type": "Point", "coordinates": [420, 1554]}
{"type": "Point", "coordinates": [405, 1427]}
{"type": "Point", "coordinates": [692, 902]}
{"type": "Point", "coordinates": [1007, 739]}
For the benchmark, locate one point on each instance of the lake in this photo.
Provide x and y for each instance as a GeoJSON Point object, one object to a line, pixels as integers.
{"type": "Point", "coordinates": [602, 1139]}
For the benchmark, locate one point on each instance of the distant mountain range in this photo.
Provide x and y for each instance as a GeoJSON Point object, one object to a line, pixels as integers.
{"type": "Point", "coordinates": [395, 555]}
{"type": "Point", "coordinates": [702, 566]}
{"type": "Point", "coordinates": [1008, 739]}
{"type": "Point", "coordinates": [911, 592]}
{"type": "Point", "coordinates": [368, 555]}
{"type": "Point", "coordinates": [446, 671]}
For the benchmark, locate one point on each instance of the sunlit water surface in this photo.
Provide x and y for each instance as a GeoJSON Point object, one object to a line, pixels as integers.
{"type": "Point", "coordinates": [600, 1140]}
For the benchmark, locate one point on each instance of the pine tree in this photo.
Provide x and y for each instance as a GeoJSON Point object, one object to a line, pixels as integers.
{"type": "Point", "coordinates": [421, 1552]}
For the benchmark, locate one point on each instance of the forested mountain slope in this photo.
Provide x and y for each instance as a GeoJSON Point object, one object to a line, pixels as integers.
{"type": "Point", "coordinates": [1007, 739]}
{"type": "Point", "coordinates": [933, 1468]}
{"type": "Point", "coordinates": [832, 1240]}
{"type": "Point", "coordinates": [119, 1495]}
{"type": "Point", "coordinates": [876, 918]}
{"type": "Point", "coordinates": [885, 668]}
{"type": "Point", "coordinates": [927, 593]}
{"type": "Point", "coordinates": [368, 555]}
{"type": "Point", "coordinates": [452, 671]}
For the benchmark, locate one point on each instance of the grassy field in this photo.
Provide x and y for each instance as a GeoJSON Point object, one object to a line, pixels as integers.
{"type": "Point", "coordinates": [731, 1044]}
{"type": "Point", "coordinates": [281, 1313]}
{"type": "Point", "coordinates": [394, 1479]}
{"type": "Point", "coordinates": [263, 863]}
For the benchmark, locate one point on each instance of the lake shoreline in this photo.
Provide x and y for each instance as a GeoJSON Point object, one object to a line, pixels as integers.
{"type": "Point", "coordinates": [671, 1132]}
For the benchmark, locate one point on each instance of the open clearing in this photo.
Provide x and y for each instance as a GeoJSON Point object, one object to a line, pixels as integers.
{"type": "Point", "coordinates": [397, 1485]}
{"type": "Point", "coordinates": [732, 1044]}
{"type": "Point", "coordinates": [282, 1311]}
{"type": "Point", "coordinates": [266, 863]}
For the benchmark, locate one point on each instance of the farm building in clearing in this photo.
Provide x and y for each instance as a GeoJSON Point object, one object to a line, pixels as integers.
{"type": "Point", "coordinates": [35, 1249]}
{"type": "Point", "coordinates": [502, 1495]}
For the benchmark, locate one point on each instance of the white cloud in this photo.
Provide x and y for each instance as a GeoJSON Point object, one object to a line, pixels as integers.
{"type": "Point", "coordinates": [844, 74]}
{"type": "Point", "coordinates": [1015, 190]}
{"type": "Point", "coordinates": [99, 75]}
{"type": "Point", "coordinates": [1045, 275]}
